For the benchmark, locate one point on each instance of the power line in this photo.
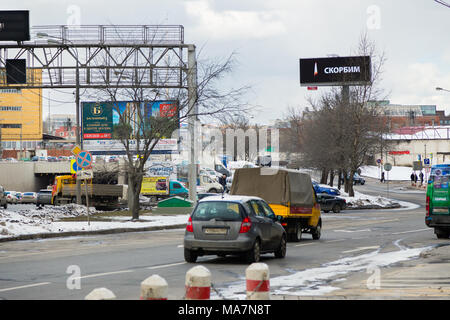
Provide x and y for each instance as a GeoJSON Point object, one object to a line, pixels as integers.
{"type": "Point", "coordinates": [443, 3]}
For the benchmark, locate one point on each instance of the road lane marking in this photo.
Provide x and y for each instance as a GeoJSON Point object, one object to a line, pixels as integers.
{"type": "Point", "coordinates": [306, 244]}
{"type": "Point", "coordinates": [103, 274]}
{"type": "Point", "coordinates": [419, 230]}
{"type": "Point", "coordinates": [351, 231]}
{"type": "Point", "coordinates": [361, 249]}
{"type": "Point", "coordinates": [166, 265]}
{"type": "Point", "coordinates": [26, 286]}
{"type": "Point", "coordinates": [338, 240]}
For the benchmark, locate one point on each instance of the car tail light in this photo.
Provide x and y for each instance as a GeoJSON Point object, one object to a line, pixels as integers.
{"type": "Point", "coordinates": [189, 226]}
{"type": "Point", "coordinates": [301, 210]}
{"type": "Point", "coordinates": [245, 225]}
{"type": "Point", "coordinates": [428, 207]}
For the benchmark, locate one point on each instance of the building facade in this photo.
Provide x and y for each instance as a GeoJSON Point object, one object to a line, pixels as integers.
{"type": "Point", "coordinates": [21, 116]}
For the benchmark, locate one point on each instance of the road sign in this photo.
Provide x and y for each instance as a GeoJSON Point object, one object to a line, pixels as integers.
{"type": "Point", "coordinates": [85, 174]}
{"type": "Point", "coordinates": [76, 150]}
{"type": "Point", "coordinates": [426, 161]}
{"type": "Point", "coordinates": [73, 166]}
{"type": "Point", "coordinates": [417, 165]}
{"type": "Point", "coordinates": [84, 159]}
{"type": "Point", "coordinates": [388, 167]}
{"type": "Point", "coordinates": [379, 161]}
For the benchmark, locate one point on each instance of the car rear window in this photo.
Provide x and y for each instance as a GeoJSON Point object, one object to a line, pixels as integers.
{"type": "Point", "coordinates": [219, 210]}
{"type": "Point", "coordinates": [45, 191]}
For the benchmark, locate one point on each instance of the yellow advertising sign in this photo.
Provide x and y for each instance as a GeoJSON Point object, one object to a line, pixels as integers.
{"type": "Point", "coordinates": [155, 185]}
{"type": "Point", "coordinates": [76, 150]}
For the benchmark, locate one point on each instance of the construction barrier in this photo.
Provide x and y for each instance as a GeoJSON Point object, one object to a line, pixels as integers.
{"type": "Point", "coordinates": [198, 283]}
{"type": "Point", "coordinates": [101, 294]}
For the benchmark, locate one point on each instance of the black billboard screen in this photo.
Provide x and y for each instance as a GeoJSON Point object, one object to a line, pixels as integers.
{"type": "Point", "coordinates": [336, 71]}
{"type": "Point", "coordinates": [14, 25]}
{"type": "Point", "coordinates": [16, 71]}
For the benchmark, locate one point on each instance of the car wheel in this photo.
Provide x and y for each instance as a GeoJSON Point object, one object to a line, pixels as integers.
{"type": "Point", "coordinates": [281, 251]}
{"type": "Point", "coordinates": [317, 231]}
{"type": "Point", "coordinates": [212, 191]}
{"type": "Point", "coordinates": [190, 256]}
{"type": "Point", "coordinates": [336, 208]}
{"type": "Point", "coordinates": [297, 235]}
{"type": "Point", "coordinates": [441, 233]}
{"type": "Point", "coordinates": [255, 253]}
{"type": "Point", "coordinates": [326, 211]}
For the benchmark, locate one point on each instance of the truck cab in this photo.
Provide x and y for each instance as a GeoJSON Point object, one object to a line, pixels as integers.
{"type": "Point", "coordinates": [208, 185]}
{"type": "Point", "coordinates": [438, 201]}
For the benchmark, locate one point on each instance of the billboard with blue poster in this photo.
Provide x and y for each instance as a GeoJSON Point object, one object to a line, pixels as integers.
{"type": "Point", "coordinates": [100, 121]}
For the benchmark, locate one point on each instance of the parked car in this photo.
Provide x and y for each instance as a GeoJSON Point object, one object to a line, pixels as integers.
{"type": "Point", "coordinates": [113, 159]}
{"type": "Point", "coordinates": [44, 197]}
{"type": "Point", "coordinates": [35, 158]}
{"type": "Point", "coordinates": [200, 196]}
{"type": "Point", "coordinates": [3, 200]}
{"type": "Point", "coordinates": [52, 159]}
{"type": "Point", "coordinates": [11, 197]}
{"type": "Point", "coordinates": [29, 197]}
{"type": "Point", "coordinates": [11, 160]}
{"type": "Point", "coordinates": [328, 202]}
{"type": "Point", "coordinates": [358, 179]}
{"type": "Point", "coordinates": [233, 225]}
{"type": "Point", "coordinates": [323, 188]}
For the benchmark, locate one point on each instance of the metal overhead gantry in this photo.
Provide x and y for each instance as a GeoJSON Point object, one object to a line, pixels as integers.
{"type": "Point", "coordinates": [102, 57]}
{"type": "Point", "coordinates": [149, 56]}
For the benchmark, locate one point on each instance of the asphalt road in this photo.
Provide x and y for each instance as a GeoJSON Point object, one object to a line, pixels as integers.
{"type": "Point", "coordinates": [70, 268]}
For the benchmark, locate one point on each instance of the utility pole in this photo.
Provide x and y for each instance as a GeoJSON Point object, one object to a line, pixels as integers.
{"type": "Point", "coordinates": [78, 131]}
{"type": "Point", "coordinates": [192, 112]}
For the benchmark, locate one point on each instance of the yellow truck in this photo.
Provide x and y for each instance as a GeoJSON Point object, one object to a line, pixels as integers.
{"type": "Point", "coordinates": [289, 193]}
{"type": "Point", "coordinates": [101, 195]}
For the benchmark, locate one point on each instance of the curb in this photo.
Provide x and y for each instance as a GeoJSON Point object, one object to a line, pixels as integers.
{"type": "Point", "coordinates": [374, 206]}
{"type": "Point", "coordinates": [87, 233]}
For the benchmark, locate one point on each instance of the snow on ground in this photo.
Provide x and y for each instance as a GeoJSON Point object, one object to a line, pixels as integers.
{"type": "Point", "coordinates": [314, 282]}
{"type": "Point", "coordinates": [362, 200]}
{"type": "Point", "coordinates": [396, 174]}
{"type": "Point", "coordinates": [48, 220]}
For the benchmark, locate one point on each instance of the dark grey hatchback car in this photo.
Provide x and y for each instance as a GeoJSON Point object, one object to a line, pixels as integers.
{"type": "Point", "coordinates": [233, 225]}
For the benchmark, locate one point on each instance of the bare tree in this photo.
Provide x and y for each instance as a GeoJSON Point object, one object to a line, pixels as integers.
{"type": "Point", "coordinates": [139, 132]}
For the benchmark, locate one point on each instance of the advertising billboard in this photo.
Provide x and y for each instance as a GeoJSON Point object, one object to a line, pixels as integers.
{"type": "Point", "coordinates": [155, 185]}
{"type": "Point", "coordinates": [100, 120]}
{"type": "Point", "coordinates": [335, 71]}
{"type": "Point", "coordinates": [14, 25]}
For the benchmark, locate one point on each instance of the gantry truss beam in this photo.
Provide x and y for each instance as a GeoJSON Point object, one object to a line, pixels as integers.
{"type": "Point", "coordinates": [105, 56]}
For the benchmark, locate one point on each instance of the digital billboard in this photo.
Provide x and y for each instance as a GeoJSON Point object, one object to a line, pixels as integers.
{"type": "Point", "coordinates": [14, 25]}
{"type": "Point", "coordinates": [335, 71]}
{"type": "Point", "coordinates": [100, 118]}
{"type": "Point", "coordinates": [100, 121]}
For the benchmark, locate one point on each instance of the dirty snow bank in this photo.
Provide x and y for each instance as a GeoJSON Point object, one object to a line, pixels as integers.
{"type": "Point", "coordinates": [48, 220]}
{"type": "Point", "coordinates": [315, 281]}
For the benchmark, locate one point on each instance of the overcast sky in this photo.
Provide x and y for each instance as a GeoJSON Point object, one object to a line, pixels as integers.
{"type": "Point", "coordinates": [270, 36]}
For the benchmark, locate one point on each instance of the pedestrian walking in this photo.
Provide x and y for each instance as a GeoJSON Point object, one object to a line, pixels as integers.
{"type": "Point", "coordinates": [412, 178]}
{"type": "Point", "coordinates": [223, 182]}
{"type": "Point", "coordinates": [382, 177]}
{"type": "Point", "coordinates": [421, 178]}
{"type": "Point", "coordinates": [415, 179]}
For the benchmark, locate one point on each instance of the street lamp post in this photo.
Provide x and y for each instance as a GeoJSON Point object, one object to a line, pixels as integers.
{"type": "Point", "coordinates": [78, 140]}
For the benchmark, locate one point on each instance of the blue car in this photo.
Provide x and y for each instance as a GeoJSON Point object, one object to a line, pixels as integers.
{"type": "Point", "coordinates": [322, 188]}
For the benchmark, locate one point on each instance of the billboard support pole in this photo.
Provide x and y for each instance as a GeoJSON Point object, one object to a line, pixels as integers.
{"type": "Point", "coordinates": [192, 116]}
{"type": "Point", "coordinates": [78, 133]}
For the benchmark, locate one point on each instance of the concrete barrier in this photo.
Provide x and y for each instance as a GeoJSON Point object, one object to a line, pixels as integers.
{"type": "Point", "coordinates": [257, 281]}
{"type": "Point", "coordinates": [198, 284]}
{"type": "Point", "coordinates": [154, 288]}
{"type": "Point", "coordinates": [100, 294]}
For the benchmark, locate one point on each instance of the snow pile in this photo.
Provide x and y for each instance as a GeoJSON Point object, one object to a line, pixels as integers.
{"type": "Point", "coordinates": [48, 220]}
{"type": "Point", "coordinates": [396, 174]}
{"type": "Point", "coordinates": [314, 281]}
{"type": "Point", "coordinates": [365, 201]}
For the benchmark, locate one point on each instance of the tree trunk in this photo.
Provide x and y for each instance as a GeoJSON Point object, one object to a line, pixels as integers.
{"type": "Point", "coordinates": [339, 179]}
{"type": "Point", "coordinates": [323, 179]}
{"type": "Point", "coordinates": [351, 192]}
{"type": "Point", "coordinates": [134, 190]}
{"type": "Point", "coordinates": [331, 178]}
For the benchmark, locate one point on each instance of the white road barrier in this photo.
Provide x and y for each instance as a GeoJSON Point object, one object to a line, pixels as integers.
{"type": "Point", "coordinates": [100, 294]}
{"type": "Point", "coordinates": [198, 284]}
{"type": "Point", "coordinates": [257, 281]}
{"type": "Point", "coordinates": [154, 288]}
